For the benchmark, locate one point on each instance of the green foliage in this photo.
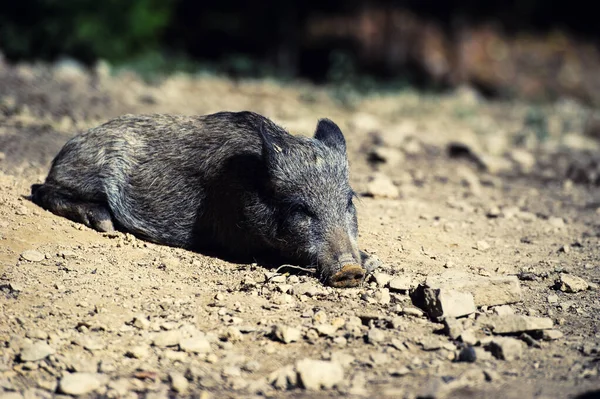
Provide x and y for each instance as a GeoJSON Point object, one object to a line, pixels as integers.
{"type": "Point", "coordinates": [112, 29]}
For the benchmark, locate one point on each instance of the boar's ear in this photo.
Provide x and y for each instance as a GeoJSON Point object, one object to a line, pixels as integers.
{"type": "Point", "coordinates": [269, 148]}
{"type": "Point", "coordinates": [330, 134]}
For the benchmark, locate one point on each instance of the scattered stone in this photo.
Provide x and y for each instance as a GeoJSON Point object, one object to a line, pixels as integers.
{"type": "Point", "coordinates": [232, 371]}
{"type": "Point", "coordinates": [503, 310]}
{"type": "Point", "coordinates": [179, 383]}
{"type": "Point", "coordinates": [556, 222]}
{"type": "Point", "coordinates": [32, 255]}
{"type": "Point", "coordinates": [37, 334]}
{"type": "Point", "coordinates": [403, 283]}
{"type": "Point", "coordinates": [379, 358]}
{"type": "Point", "coordinates": [510, 324]}
{"type": "Point", "coordinates": [524, 159]}
{"type": "Point", "coordinates": [493, 212]}
{"type": "Point", "coordinates": [387, 155]}
{"type": "Point", "coordinates": [164, 339]}
{"type": "Point", "coordinates": [551, 335]}
{"type": "Point", "coordinates": [382, 186]}
{"type": "Point", "coordinates": [453, 327]}
{"type": "Point", "coordinates": [286, 334]}
{"type": "Point", "coordinates": [375, 336]}
{"type": "Point", "coordinates": [326, 330]}
{"type": "Point", "coordinates": [382, 296]}
{"type": "Point", "coordinates": [198, 344]}
{"type": "Point", "coordinates": [141, 322]}
{"type": "Point", "coordinates": [468, 337]}
{"type": "Point", "coordinates": [529, 340]}
{"type": "Point", "coordinates": [308, 289]}
{"type": "Point", "coordinates": [382, 279]}
{"type": "Point", "coordinates": [344, 359]}
{"type": "Point", "coordinates": [504, 348]}
{"type": "Point", "coordinates": [552, 299]}
{"type": "Point", "coordinates": [410, 311]}
{"type": "Point", "coordinates": [80, 383]}
{"type": "Point", "coordinates": [284, 378]}
{"type": "Point", "coordinates": [317, 374]}
{"type": "Point", "coordinates": [138, 352]}
{"type": "Point", "coordinates": [486, 291]}
{"type": "Point", "coordinates": [37, 351]}
{"type": "Point", "coordinates": [443, 303]}
{"type": "Point", "coordinates": [482, 246]}
{"type": "Point", "coordinates": [89, 343]}
{"type": "Point", "coordinates": [467, 354]}
{"type": "Point", "coordinates": [571, 284]}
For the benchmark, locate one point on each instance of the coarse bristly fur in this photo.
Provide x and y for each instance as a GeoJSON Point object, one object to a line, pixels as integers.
{"type": "Point", "coordinates": [233, 183]}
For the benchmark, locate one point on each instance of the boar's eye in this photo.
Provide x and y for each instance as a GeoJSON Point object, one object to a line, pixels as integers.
{"type": "Point", "coordinates": [351, 196]}
{"type": "Point", "coordinates": [301, 209]}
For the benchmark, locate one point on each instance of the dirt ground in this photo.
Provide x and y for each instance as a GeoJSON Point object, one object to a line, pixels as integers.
{"type": "Point", "coordinates": [461, 184]}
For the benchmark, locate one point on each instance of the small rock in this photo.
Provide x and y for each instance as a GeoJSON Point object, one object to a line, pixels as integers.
{"type": "Point", "coordinates": [482, 245]}
{"type": "Point", "coordinates": [37, 334]}
{"type": "Point", "coordinates": [317, 374]}
{"type": "Point", "coordinates": [80, 383]}
{"type": "Point", "coordinates": [571, 284]}
{"type": "Point", "coordinates": [251, 366]}
{"type": "Point", "coordinates": [551, 335]}
{"type": "Point", "coordinates": [403, 283]}
{"type": "Point", "coordinates": [379, 358]}
{"type": "Point", "coordinates": [453, 327]}
{"type": "Point", "coordinates": [37, 351]}
{"type": "Point", "coordinates": [552, 299]}
{"type": "Point", "coordinates": [448, 303]}
{"type": "Point", "coordinates": [383, 296]}
{"type": "Point", "coordinates": [510, 324]}
{"type": "Point", "coordinates": [503, 310]}
{"type": "Point", "coordinates": [524, 159]}
{"type": "Point", "coordinates": [486, 291]}
{"type": "Point", "coordinates": [141, 322]}
{"type": "Point", "coordinates": [410, 311]}
{"type": "Point", "coordinates": [493, 212]}
{"type": "Point", "coordinates": [326, 330]}
{"type": "Point", "coordinates": [164, 339]}
{"type": "Point", "coordinates": [32, 256]}
{"type": "Point", "coordinates": [344, 359]}
{"type": "Point", "coordinates": [286, 334]}
{"type": "Point", "coordinates": [375, 336]}
{"type": "Point", "coordinates": [469, 338]}
{"type": "Point", "coordinates": [382, 279]}
{"type": "Point", "coordinates": [179, 383]}
{"type": "Point", "coordinates": [382, 186]}
{"type": "Point", "coordinates": [506, 348]}
{"type": "Point", "coordinates": [138, 352]}
{"type": "Point", "coordinates": [320, 317]}
{"type": "Point", "coordinates": [556, 222]}
{"type": "Point", "coordinates": [390, 156]}
{"type": "Point", "coordinates": [467, 354]}
{"type": "Point", "coordinates": [199, 344]}
{"type": "Point", "coordinates": [308, 289]}
{"type": "Point", "coordinates": [284, 378]}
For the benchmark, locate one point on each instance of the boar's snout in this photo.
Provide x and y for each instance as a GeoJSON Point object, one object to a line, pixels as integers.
{"type": "Point", "coordinates": [345, 273]}
{"type": "Point", "coordinates": [349, 276]}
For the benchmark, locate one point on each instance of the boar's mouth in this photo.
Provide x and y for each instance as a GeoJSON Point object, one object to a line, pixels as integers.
{"type": "Point", "coordinates": [350, 275]}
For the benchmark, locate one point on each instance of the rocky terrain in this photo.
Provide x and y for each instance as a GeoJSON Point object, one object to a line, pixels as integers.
{"type": "Point", "coordinates": [485, 216]}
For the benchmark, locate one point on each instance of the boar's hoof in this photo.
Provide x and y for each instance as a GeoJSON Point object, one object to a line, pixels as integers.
{"type": "Point", "coordinates": [349, 276]}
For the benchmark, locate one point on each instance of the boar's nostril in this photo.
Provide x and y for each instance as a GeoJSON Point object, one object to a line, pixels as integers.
{"type": "Point", "coordinates": [349, 276]}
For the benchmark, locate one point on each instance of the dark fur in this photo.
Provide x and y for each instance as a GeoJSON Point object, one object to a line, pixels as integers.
{"type": "Point", "coordinates": [234, 183]}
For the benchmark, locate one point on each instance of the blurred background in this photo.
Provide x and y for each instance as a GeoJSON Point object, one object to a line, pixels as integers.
{"type": "Point", "coordinates": [532, 49]}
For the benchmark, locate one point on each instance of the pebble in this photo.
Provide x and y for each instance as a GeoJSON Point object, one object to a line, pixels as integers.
{"type": "Point", "coordinates": [467, 354]}
{"type": "Point", "coordinates": [482, 246]}
{"type": "Point", "coordinates": [199, 344]}
{"type": "Point", "coordinates": [556, 222]}
{"type": "Point", "coordinates": [551, 335]}
{"type": "Point", "coordinates": [344, 359]}
{"type": "Point", "coordinates": [141, 322]}
{"type": "Point", "coordinates": [320, 317]}
{"type": "Point", "coordinates": [326, 330]}
{"type": "Point", "coordinates": [32, 255]}
{"type": "Point", "coordinates": [375, 336]}
{"type": "Point", "coordinates": [308, 289]}
{"type": "Point", "coordinates": [138, 352]}
{"type": "Point", "coordinates": [166, 338]}
{"type": "Point", "coordinates": [571, 284]}
{"type": "Point", "coordinates": [179, 383]}
{"type": "Point", "coordinates": [506, 348]}
{"type": "Point", "coordinates": [410, 311]}
{"type": "Point", "coordinates": [503, 310]}
{"type": "Point", "coordinates": [382, 279]}
{"type": "Point", "coordinates": [80, 383]}
{"type": "Point", "coordinates": [383, 296]}
{"type": "Point", "coordinates": [509, 324]}
{"type": "Point", "coordinates": [403, 283]}
{"type": "Point", "coordinates": [317, 374]}
{"type": "Point", "coordinates": [37, 334]}
{"type": "Point", "coordinates": [37, 351]}
{"type": "Point", "coordinates": [382, 186]}
{"type": "Point", "coordinates": [284, 378]}
{"type": "Point", "coordinates": [486, 291]}
{"type": "Point", "coordinates": [286, 334]}
{"type": "Point", "coordinates": [379, 358]}
{"type": "Point", "coordinates": [448, 303]}
{"type": "Point", "coordinates": [552, 299]}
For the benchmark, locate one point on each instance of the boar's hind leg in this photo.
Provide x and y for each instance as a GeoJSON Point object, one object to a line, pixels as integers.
{"type": "Point", "coordinates": [64, 202]}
